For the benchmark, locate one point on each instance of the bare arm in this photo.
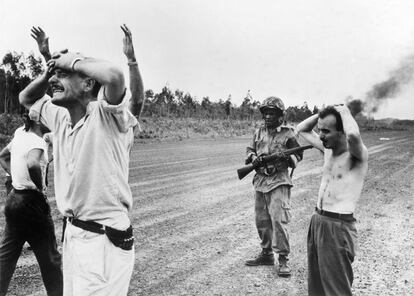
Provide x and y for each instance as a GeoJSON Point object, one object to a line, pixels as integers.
{"type": "Point", "coordinates": [355, 145]}
{"type": "Point", "coordinates": [104, 72]}
{"type": "Point", "coordinates": [33, 165]}
{"type": "Point", "coordinates": [49, 141]}
{"type": "Point", "coordinates": [136, 104]}
{"type": "Point", "coordinates": [35, 90]}
{"type": "Point", "coordinates": [42, 42]}
{"type": "Point", "coordinates": [5, 159]}
{"type": "Point", "coordinates": [305, 130]}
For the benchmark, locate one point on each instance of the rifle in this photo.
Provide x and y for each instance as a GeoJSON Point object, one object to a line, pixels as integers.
{"type": "Point", "coordinates": [244, 171]}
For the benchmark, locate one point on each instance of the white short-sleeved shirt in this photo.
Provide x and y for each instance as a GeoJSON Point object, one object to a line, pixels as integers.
{"type": "Point", "coordinates": [91, 160]}
{"type": "Point", "coordinates": [23, 142]}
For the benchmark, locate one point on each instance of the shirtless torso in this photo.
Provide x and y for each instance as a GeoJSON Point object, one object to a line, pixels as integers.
{"type": "Point", "coordinates": [345, 161]}
{"type": "Point", "coordinates": [342, 182]}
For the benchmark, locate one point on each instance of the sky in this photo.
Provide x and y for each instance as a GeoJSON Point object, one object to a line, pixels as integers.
{"type": "Point", "coordinates": [318, 51]}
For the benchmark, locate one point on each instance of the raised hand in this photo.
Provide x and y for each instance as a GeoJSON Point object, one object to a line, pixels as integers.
{"type": "Point", "coordinates": [42, 41]}
{"type": "Point", "coordinates": [128, 46]}
{"type": "Point", "coordinates": [341, 108]}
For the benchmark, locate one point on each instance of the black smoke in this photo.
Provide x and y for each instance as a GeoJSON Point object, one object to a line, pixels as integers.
{"type": "Point", "coordinates": [391, 87]}
{"type": "Point", "coordinates": [355, 106]}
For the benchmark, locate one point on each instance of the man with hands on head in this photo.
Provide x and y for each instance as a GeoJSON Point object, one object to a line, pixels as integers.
{"type": "Point", "coordinates": [332, 235]}
{"type": "Point", "coordinates": [136, 102]}
{"type": "Point", "coordinates": [92, 141]}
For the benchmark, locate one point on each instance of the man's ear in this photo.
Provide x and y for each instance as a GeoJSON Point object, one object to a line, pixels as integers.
{"type": "Point", "coordinates": [88, 84]}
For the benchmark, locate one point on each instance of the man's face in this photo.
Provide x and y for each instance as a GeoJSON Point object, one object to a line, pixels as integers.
{"type": "Point", "coordinates": [328, 134]}
{"type": "Point", "coordinates": [272, 117]}
{"type": "Point", "coordinates": [66, 87]}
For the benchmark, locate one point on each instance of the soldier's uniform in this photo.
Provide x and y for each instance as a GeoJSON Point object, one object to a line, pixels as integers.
{"type": "Point", "coordinates": [272, 185]}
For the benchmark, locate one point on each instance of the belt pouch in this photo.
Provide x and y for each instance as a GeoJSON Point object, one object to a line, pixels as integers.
{"type": "Point", "coordinates": [123, 239]}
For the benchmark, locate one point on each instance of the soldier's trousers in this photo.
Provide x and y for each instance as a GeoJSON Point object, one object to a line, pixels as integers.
{"type": "Point", "coordinates": [28, 219]}
{"type": "Point", "coordinates": [331, 251]}
{"type": "Point", "coordinates": [272, 211]}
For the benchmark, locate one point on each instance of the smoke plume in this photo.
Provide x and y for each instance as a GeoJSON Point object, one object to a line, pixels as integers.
{"type": "Point", "coordinates": [355, 106]}
{"type": "Point", "coordinates": [391, 87]}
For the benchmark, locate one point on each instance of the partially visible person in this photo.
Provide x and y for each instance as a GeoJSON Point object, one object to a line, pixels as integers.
{"type": "Point", "coordinates": [27, 211]}
{"type": "Point", "coordinates": [48, 138]}
{"type": "Point", "coordinates": [8, 184]}
{"type": "Point", "coordinates": [332, 236]}
{"type": "Point", "coordinates": [272, 184]}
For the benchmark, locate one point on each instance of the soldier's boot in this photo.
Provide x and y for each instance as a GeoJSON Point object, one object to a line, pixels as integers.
{"type": "Point", "coordinates": [264, 258]}
{"type": "Point", "coordinates": [284, 269]}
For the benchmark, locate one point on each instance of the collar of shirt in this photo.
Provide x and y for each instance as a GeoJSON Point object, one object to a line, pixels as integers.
{"type": "Point", "coordinates": [80, 123]}
{"type": "Point", "coordinates": [278, 130]}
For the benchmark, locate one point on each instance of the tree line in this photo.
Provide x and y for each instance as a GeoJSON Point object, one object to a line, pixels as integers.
{"type": "Point", "coordinates": [18, 69]}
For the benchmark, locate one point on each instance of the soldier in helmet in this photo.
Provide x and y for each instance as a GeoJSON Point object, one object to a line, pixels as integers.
{"type": "Point", "coordinates": [272, 184]}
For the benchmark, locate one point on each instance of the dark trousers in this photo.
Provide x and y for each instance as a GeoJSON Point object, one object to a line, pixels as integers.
{"type": "Point", "coordinates": [331, 251]}
{"type": "Point", "coordinates": [8, 184]}
{"type": "Point", "coordinates": [28, 219]}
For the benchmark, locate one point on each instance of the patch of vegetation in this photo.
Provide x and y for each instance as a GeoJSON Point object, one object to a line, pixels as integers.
{"type": "Point", "coordinates": [184, 128]}
{"type": "Point", "coordinates": [8, 124]}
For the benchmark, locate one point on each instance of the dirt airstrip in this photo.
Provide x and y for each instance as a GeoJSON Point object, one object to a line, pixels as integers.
{"type": "Point", "coordinates": [194, 222]}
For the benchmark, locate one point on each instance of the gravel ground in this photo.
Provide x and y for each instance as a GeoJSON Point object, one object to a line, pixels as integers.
{"type": "Point", "coordinates": [194, 222]}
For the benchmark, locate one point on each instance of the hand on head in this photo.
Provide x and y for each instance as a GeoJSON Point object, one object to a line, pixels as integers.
{"type": "Point", "coordinates": [128, 46]}
{"type": "Point", "coordinates": [341, 108]}
{"type": "Point", "coordinates": [64, 60]}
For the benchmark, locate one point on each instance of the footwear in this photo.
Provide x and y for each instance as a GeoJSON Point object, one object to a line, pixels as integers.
{"type": "Point", "coordinates": [262, 259]}
{"type": "Point", "coordinates": [284, 269]}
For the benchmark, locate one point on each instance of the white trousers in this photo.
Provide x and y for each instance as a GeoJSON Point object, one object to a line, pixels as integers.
{"type": "Point", "coordinates": [93, 266]}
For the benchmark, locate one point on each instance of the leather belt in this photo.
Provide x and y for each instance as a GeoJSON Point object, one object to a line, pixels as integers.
{"type": "Point", "coordinates": [123, 239]}
{"type": "Point", "coordinates": [343, 217]}
{"type": "Point", "coordinates": [85, 225]}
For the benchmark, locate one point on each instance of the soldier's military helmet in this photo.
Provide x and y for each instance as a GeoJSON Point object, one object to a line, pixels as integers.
{"type": "Point", "coordinates": [272, 103]}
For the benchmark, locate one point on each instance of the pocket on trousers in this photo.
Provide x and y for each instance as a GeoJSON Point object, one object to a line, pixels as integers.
{"type": "Point", "coordinates": [350, 239]}
{"type": "Point", "coordinates": [89, 250]}
{"type": "Point", "coordinates": [286, 214]}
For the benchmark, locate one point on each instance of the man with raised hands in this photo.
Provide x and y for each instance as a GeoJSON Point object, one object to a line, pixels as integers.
{"type": "Point", "coordinates": [332, 235]}
{"type": "Point", "coordinates": [92, 141]}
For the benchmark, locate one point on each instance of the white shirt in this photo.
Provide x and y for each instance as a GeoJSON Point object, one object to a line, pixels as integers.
{"type": "Point", "coordinates": [23, 142]}
{"type": "Point", "coordinates": [91, 160]}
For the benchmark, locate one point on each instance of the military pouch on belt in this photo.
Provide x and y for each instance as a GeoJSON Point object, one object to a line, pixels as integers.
{"type": "Point", "coordinates": [123, 239]}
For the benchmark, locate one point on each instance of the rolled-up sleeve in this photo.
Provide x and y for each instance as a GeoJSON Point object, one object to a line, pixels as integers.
{"type": "Point", "coordinates": [123, 117]}
{"type": "Point", "coordinates": [46, 112]}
